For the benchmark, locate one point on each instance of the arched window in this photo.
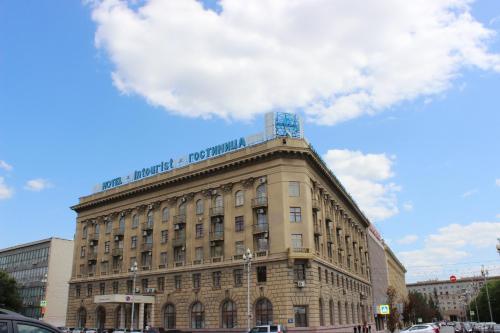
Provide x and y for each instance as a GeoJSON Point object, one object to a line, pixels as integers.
{"type": "Point", "coordinates": [182, 209]}
{"type": "Point", "coordinates": [165, 214]}
{"type": "Point", "coordinates": [339, 311]}
{"type": "Point", "coordinates": [100, 318]}
{"type": "Point", "coordinates": [239, 198]}
{"type": "Point", "coordinates": [353, 315]}
{"type": "Point", "coordinates": [121, 223]}
{"type": "Point", "coordinates": [263, 312]}
{"type": "Point", "coordinates": [218, 201]}
{"type": "Point", "coordinates": [96, 228]}
{"type": "Point", "coordinates": [81, 317]}
{"type": "Point", "coordinates": [346, 308]}
{"type": "Point", "coordinates": [331, 306]}
{"type": "Point", "coordinates": [197, 315]}
{"type": "Point", "coordinates": [228, 314]}
{"type": "Point", "coordinates": [169, 316]}
{"type": "Point", "coordinates": [109, 226]}
{"type": "Point", "coordinates": [321, 315]}
{"type": "Point", "coordinates": [150, 219]}
{"type": "Point", "coordinates": [261, 191]}
{"type": "Point", "coordinates": [199, 207]}
{"type": "Point", "coordinates": [84, 231]}
{"type": "Point", "coordinates": [135, 221]}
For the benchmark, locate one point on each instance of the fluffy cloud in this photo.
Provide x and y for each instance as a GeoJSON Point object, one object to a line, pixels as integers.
{"type": "Point", "coordinates": [497, 181]}
{"type": "Point", "coordinates": [449, 245]}
{"type": "Point", "coordinates": [37, 185]}
{"type": "Point", "coordinates": [408, 206]}
{"type": "Point", "coordinates": [4, 165]}
{"type": "Point", "coordinates": [366, 176]}
{"type": "Point", "coordinates": [334, 60]}
{"type": "Point", "coordinates": [5, 191]}
{"type": "Point", "coordinates": [470, 193]}
{"type": "Point", "coordinates": [408, 239]}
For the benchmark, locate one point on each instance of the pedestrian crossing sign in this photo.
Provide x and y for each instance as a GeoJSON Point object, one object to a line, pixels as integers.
{"type": "Point", "coordinates": [384, 309]}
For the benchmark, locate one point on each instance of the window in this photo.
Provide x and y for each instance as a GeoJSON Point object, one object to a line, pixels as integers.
{"type": "Point", "coordinates": [199, 230]}
{"type": "Point", "coordinates": [89, 289]}
{"type": "Point", "coordinates": [216, 277]}
{"type": "Point", "coordinates": [115, 287]}
{"type": "Point", "coordinates": [121, 223]}
{"type": "Point", "coordinates": [109, 227]}
{"type": "Point", "coordinates": [238, 277]}
{"type": "Point", "coordinates": [102, 288]}
{"type": "Point", "coordinates": [239, 224]}
{"type": "Point", "coordinates": [145, 284]}
{"type": "Point", "coordinates": [178, 282]}
{"type": "Point", "coordinates": [299, 271]}
{"type": "Point", "coordinates": [218, 201]}
{"type": "Point", "coordinates": [319, 274]}
{"type": "Point", "coordinates": [133, 242]}
{"type": "Point", "coordinates": [82, 251]}
{"type": "Point", "coordinates": [295, 214]}
{"type": "Point", "coordinates": [293, 189]}
{"type": "Point", "coordinates": [196, 280]}
{"type": "Point", "coordinates": [331, 308]}
{"type": "Point", "coordinates": [199, 207]}
{"type": "Point", "coordinates": [165, 214]}
{"type": "Point", "coordinates": [129, 286]}
{"type": "Point", "coordinates": [106, 247]}
{"type": "Point", "coordinates": [263, 312]}
{"type": "Point", "coordinates": [239, 198]}
{"type": "Point", "coordinates": [339, 311]}
{"type": "Point", "coordinates": [261, 274]}
{"type": "Point", "coordinates": [182, 209]}
{"type": "Point", "coordinates": [300, 312]}
{"type": "Point", "coordinates": [321, 314]}
{"type": "Point", "coordinates": [84, 232]}
{"type": "Point", "coordinates": [169, 316]}
{"type": "Point", "coordinates": [78, 291]}
{"type": "Point", "coordinates": [326, 276]}
{"type": "Point", "coordinates": [197, 315]}
{"type": "Point", "coordinates": [239, 247]}
{"type": "Point", "coordinates": [160, 283]}
{"type": "Point", "coordinates": [27, 328]}
{"type": "Point", "coordinates": [3, 327]}
{"type": "Point", "coordinates": [228, 314]}
{"type": "Point", "coordinates": [164, 236]}
{"type": "Point", "coordinates": [261, 191]}
{"type": "Point", "coordinates": [135, 221]}
{"type": "Point", "coordinates": [297, 241]}
{"type": "Point", "coordinates": [163, 259]}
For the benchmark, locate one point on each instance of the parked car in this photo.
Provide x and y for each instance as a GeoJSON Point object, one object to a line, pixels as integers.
{"type": "Point", "coordinates": [21, 324]}
{"type": "Point", "coordinates": [268, 329]}
{"type": "Point", "coordinates": [77, 330]}
{"type": "Point", "coordinates": [64, 329]}
{"type": "Point", "coordinates": [422, 328]}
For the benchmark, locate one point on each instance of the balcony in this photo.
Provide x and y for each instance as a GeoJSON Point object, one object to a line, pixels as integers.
{"type": "Point", "coordinates": [146, 247]}
{"type": "Point", "coordinates": [92, 256]}
{"type": "Point", "coordinates": [299, 253]}
{"type": "Point", "coordinates": [145, 226]}
{"type": "Point", "coordinates": [259, 202]}
{"type": "Point", "coordinates": [217, 211]}
{"type": "Point", "coordinates": [180, 219]}
{"type": "Point", "coordinates": [117, 252]}
{"type": "Point", "coordinates": [261, 253]}
{"type": "Point", "coordinates": [315, 204]}
{"type": "Point", "coordinates": [329, 237]}
{"type": "Point", "coordinates": [93, 239]}
{"type": "Point", "coordinates": [179, 240]}
{"type": "Point", "coordinates": [260, 228]}
{"type": "Point", "coordinates": [118, 232]}
{"type": "Point", "coordinates": [317, 229]}
{"type": "Point", "coordinates": [216, 235]}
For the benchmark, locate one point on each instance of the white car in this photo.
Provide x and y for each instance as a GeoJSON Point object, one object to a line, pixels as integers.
{"type": "Point", "coordinates": [268, 329]}
{"type": "Point", "coordinates": [421, 328]}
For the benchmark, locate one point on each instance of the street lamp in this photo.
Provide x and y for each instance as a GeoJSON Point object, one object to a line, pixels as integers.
{"type": "Point", "coordinates": [133, 269]}
{"type": "Point", "coordinates": [484, 273]}
{"type": "Point", "coordinates": [247, 257]}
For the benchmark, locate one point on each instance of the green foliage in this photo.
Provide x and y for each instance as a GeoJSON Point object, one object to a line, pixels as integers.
{"type": "Point", "coordinates": [393, 317]}
{"type": "Point", "coordinates": [482, 302]}
{"type": "Point", "coordinates": [418, 306]}
{"type": "Point", "coordinates": [9, 293]}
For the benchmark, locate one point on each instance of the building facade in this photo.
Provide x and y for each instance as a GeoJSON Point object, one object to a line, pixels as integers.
{"type": "Point", "coordinates": [452, 297]}
{"type": "Point", "coordinates": [396, 276]}
{"type": "Point", "coordinates": [42, 270]}
{"type": "Point", "coordinates": [379, 275]}
{"type": "Point", "coordinates": [188, 229]}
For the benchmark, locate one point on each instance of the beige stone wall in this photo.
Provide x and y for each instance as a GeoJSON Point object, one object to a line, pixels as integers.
{"type": "Point", "coordinates": [396, 276]}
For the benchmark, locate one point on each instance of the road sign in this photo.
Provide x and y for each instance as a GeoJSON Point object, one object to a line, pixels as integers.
{"type": "Point", "coordinates": [453, 278]}
{"type": "Point", "coordinates": [43, 303]}
{"type": "Point", "coordinates": [472, 313]}
{"type": "Point", "coordinates": [419, 320]}
{"type": "Point", "coordinates": [384, 309]}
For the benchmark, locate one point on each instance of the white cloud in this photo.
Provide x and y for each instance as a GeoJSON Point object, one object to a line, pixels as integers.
{"type": "Point", "coordinates": [408, 239]}
{"type": "Point", "coordinates": [470, 193]}
{"type": "Point", "coordinates": [408, 206]}
{"type": "Point", "coordinates": [449, 245]}
{"type": "Point", "coordinates": [5, 191]}
{"type": "Point", "coordinates": [37, 185]}
{"type": "Point", "coordinates": [497, 182]}
{"type": "Point", "coordinates": [4, 165]}
{"type": "Point", "coordinates": [366, 176]}
{"type": "Point", "coordinates": [335, 60]}
{"type": "Point", "coordinates": [498, 216]}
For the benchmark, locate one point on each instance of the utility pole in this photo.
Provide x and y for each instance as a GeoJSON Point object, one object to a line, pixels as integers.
{"type": "Point", "coordinates": [133, 269]}
{"type": "Point", "coordinates": [484, 273]}
{"type": "Point", "coordinates": [247, 257]}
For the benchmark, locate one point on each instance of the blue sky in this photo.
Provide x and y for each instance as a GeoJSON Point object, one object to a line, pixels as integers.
{"type": "Point", "coordinates": [422, 161]}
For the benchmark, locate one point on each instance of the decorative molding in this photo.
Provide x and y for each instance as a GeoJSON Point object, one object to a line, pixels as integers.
{"type": "Point", "coordinates": [227, 187]}
{"type": "Point", "coordinates": [248, 182]}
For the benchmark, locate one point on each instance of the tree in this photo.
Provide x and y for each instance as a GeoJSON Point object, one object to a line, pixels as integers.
{"type": "Point", "coordinates": [393, 317]}
{"type": "Point", "coordinates": [9, 293]}
{"type": "Point", "coordinates": [419, 306]}
{"type": "Point", "coordinates": [482, 302]}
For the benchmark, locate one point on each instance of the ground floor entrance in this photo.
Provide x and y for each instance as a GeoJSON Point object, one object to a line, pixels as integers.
{"type": "Point", "coordinates": [134, 312]}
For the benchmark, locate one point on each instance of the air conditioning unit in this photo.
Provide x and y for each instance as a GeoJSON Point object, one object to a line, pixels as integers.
{"type": "Point", "coordinates": [214, 192]}
{"type": "Point", "coordinates": [200, 218]}
{"type": "Point", "coordinates": [260, 211]}
{"type": "Point", "coordinates": [301, 284]}
{"type": "Point", "coordinates": [137, 290]}
{"type": "Point", "coordinates": [117, 238]}
{"type": "Point", "coordinates": [144, 233]}
{"type": "Point", "coordinates": [183, 199]}
{"type": "Point", "coordinates": [150, 206]}
{"type": "Point", "coordinates": [104, 260]}
{"type": "Point", "coordinates": [217, 219]}
{"type": "Point", "coordinates": [176, 227]}
{"type": "Point", "coordinates": [212, 243]}
{"type": "Point", "coordinates": [262, 180]}
{"type": "Point", "coordinates": [150, 290]}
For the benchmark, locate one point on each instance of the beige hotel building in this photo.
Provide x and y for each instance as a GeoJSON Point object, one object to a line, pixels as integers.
{"type": "Point", "coordinates": [189, 228]}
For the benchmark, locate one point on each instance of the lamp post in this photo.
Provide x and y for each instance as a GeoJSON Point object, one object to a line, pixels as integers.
{"type": "Point", "coordinates": [247, 257]}
{"type": "Point", "coordinates": [484, 273]}
{"type": "Point", "coordinates": [133, 269]}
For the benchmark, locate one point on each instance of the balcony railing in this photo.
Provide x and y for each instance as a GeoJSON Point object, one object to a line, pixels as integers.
{"type": "Point", "coordinates": [259, 202]}
{"type": "Point", "coordinates": [260, 228]}
{"type": "Point", "coordinates": [329, 237]}
{"type": "Point", "coordinates": [216, 235]}
{"type": "Point", "coordinates": [147, 226]}
{"type": "Point", "coordinates": [118, 232]}
{"type": "Point", "coordinates": [117, 252]}
{"type": "Point", "coordinates": [317, 229]}
{"type": "Point", "coordinates": [179, 240]}
{"type": "Point", "coordinates": [315, 204]}
{"type": "Point", "coordinates": [146, 247]}
{"type": "Point", "coordinates": [179, 219]}
{"type": "Point", "coordinates": [92, 256]}
{"type": "Point", "coordinates": [300, 250]}
{"type": "Point", "coordinates": [217, 211]}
